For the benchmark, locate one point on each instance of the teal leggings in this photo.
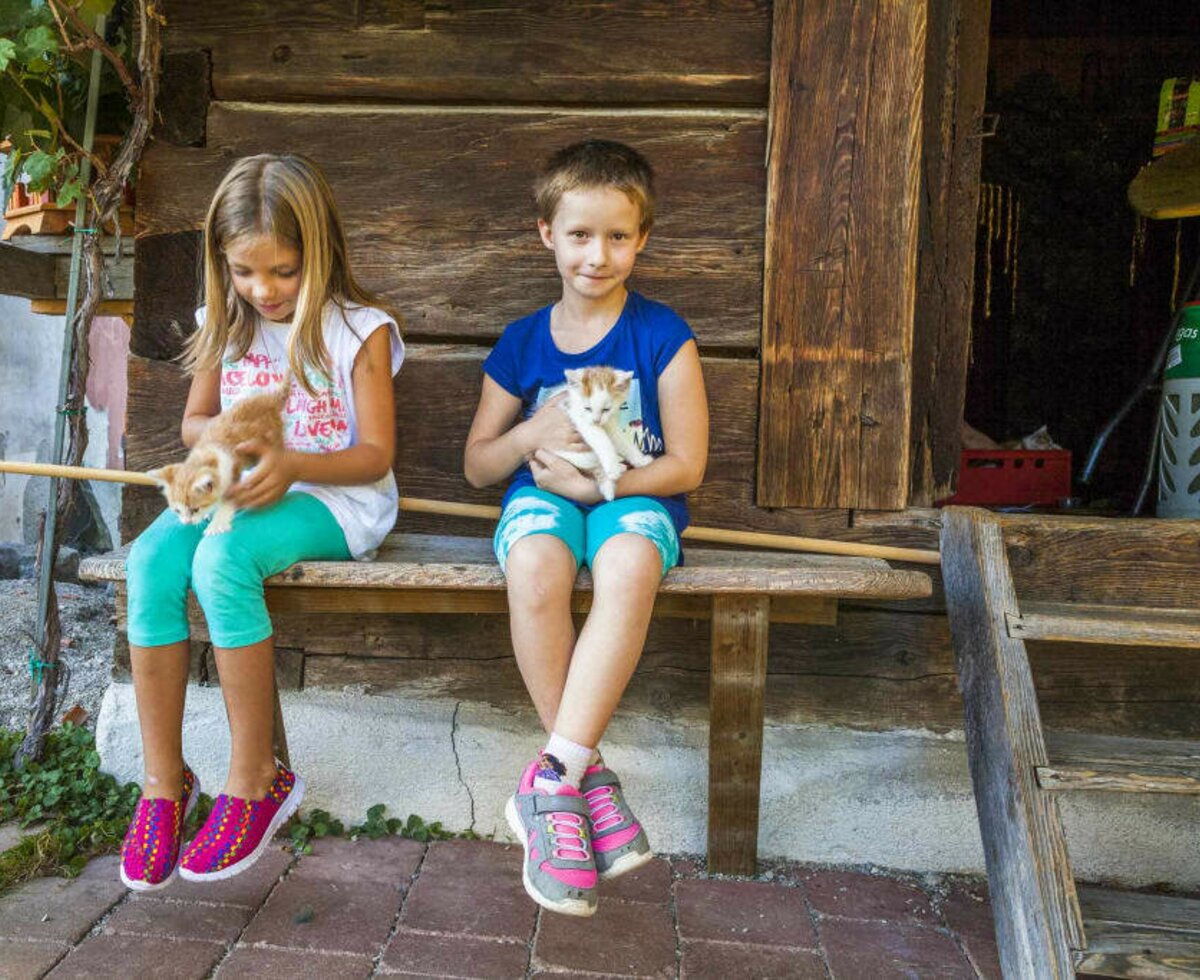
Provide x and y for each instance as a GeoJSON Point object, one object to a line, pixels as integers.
{"type": "Point", "coordinates": [226, 571]}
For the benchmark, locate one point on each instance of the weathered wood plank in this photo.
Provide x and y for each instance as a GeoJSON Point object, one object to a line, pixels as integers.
{"type": "Point", "coordinates": [429, 452]}
{"type": "Point", "coordinates": [737, 682]}
{"type": "Point", "coordinates": [1127, 765]}
{"type": "Point", "coordinates": [955, 85]}
{"type": "Point", "coordinates": [447, 230]}
{"type": "Point", "coordinates": [541, 52]}
{"type": "Point", "coordinates": [1096, 560]}
{"type": "Point", "coordinates": [26, 273]}
{"type": "Point", "coordinates": [166, 291]}
{"type": "Point", "coordinates": [1029, 877]}
{"type": "Point", "coordinates": [1144, 936]}
{"type": "Point", "coordinates": [427, 567]}
{"type": "Point", "coordinates": [1083, 623]}
{"type": "Point", "coordinates": [840, 266]}
{"type": "Point", "coordinates": [183, 97]}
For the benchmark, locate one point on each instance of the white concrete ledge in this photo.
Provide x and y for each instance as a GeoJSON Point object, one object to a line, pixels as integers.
{"type": "Point", "coordinates": [896, 799]}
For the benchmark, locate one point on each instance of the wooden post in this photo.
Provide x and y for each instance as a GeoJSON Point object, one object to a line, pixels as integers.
{"type": "Point", "coordinates": [281, 745]}
{"type": "Point", "coordinates": [956, 52]}
{"type": "Point", "coordinates": [738, 678]}
{"type": "Point", "coordinates": [840, 264]}
{"type": "Point", "coordinates": [1038, 922]}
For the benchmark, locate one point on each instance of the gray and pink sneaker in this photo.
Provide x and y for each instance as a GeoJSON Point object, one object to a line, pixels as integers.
{"type": "Point", "coordinates": [559, 872]}
{"type": "Point", "coordinates": [618, 839]}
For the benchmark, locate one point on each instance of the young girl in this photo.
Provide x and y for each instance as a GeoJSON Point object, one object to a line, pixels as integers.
{"type": "Point", "coordinates": [280, 302]}
{"type": "Point", "coordinates": [596, 206]}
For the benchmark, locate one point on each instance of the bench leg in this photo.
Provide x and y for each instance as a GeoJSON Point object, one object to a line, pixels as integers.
{"type": "Point", "coordinates": [738, 676]}
{"type": "Point", "coordinates": [280, 746]}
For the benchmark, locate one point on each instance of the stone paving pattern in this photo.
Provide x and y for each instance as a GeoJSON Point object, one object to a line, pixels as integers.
{"type": "Point", "coordinates": [397, 908]}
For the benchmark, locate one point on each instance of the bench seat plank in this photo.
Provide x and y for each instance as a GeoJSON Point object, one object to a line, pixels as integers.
{"type": "Point", "coordinates": [1132, 625]}
{"type": "Point", "coordinates": [1123, 765]}
{"type": "Point", "coordinates": [426, 561]}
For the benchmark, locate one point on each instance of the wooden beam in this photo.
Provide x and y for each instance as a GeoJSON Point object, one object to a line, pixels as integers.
{"type": "Point", "coordinates": [738, 679]}
{"type": "Point", "coordinates": [956, 59]}
{"type": "Point", "coordinates": [1032, 891]}
{"type": "Point", "coordinates": [1124, 625]}
{"type": "Point", "coordinates": [26, 273]}
{"type": "Point", "coordinates": [840, 263]}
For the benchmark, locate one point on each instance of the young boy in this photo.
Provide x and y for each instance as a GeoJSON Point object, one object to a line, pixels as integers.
{"type": "Point", "coordinates": [595, 209]}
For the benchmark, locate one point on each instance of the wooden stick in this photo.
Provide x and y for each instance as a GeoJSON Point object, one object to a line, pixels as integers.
{"type": "Point", "coordinates": [447, 508]}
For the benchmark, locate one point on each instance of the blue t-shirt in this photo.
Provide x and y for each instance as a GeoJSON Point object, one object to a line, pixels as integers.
{"type": "Point", "coordinates": [526, 363]}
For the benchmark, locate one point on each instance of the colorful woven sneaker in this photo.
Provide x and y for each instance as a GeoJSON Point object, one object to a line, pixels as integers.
{"type": "Point", "coordinates": [559, 871]}
{"type": "Point", "coordinates": [618, 840]}
{"type": "Point", "coordinates": [238, 831]}
{"type": "Point", "coordinates": [150, 853]}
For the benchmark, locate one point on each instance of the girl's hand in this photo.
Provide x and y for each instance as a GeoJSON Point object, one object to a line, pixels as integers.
{"type": "Point", "coordinates": [551, 428]}
{"type": "Point", "coordinates": [270, 479]}
{"type": "Point", "coordinates": [552, 472]}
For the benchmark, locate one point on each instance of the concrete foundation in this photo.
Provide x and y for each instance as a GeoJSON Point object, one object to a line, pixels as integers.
{"type": "Point", "coordinates": [896, 799]}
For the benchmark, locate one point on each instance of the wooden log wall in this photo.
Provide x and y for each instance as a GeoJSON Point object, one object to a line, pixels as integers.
{"type": "Point", "coordinates": [430, 120]}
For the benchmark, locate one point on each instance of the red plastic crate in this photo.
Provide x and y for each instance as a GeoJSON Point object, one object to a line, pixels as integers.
{"type": "Point", "coordinates": [1013, 477]}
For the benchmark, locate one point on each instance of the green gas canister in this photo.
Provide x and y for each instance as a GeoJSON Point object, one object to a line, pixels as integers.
{"type": "Point", "coordinates": [1179, 446]}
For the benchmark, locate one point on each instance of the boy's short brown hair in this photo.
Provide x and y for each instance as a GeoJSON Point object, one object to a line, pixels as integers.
{"type": "Point", "coordinates": [596, 163]}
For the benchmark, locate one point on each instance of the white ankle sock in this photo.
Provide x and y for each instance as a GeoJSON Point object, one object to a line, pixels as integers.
{"type": "Point", "coordinates": [573, 760]}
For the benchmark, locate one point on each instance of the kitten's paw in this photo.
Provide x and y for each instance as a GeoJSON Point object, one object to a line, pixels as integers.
{"type": "Point", "coordinates": [218, 525]}
{"type": "Point", "coordinates": [608, 489]}
{"type": "Point", "coordinates": [639, 459]}
{"type": "Point", "coordinates": [614, 473]}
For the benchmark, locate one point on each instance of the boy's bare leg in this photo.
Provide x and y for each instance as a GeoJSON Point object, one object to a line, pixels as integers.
{"type": "Point", "coordinates": [541, 575]}
{"type": "Point", "coordinates": [625, 577]}
{"type": "Point", "coordinates": [159, 687]}
{"type": "Point", "coordinates": [248, 686]}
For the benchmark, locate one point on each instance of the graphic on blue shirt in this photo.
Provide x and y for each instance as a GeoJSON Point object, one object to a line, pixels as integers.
{"type": "Point", "coordinates": [528, 364]}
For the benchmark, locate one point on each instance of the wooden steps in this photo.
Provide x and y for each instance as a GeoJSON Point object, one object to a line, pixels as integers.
{"type": "Point", "coordinates": [1080, 623]}
{"type": "Point", "coordinates": [1121, 765]}
{"type": "Point", "coordinates": [1136, 935]}
{"type": "Point", "coordinates": [1046, 927]}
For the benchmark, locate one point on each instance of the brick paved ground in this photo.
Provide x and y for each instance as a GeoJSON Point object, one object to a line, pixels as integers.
{"type": "Point", "coordinates": [397, 908]}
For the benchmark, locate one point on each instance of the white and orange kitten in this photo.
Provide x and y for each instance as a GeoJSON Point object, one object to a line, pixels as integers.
{"type": "Point", "coordinates": [196, 487]}
{"type": "Point", "coordinates": [594, 397]}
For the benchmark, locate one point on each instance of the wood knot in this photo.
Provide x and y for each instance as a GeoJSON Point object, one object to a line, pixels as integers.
{"type": "Point", "coordinates": [282, 54]}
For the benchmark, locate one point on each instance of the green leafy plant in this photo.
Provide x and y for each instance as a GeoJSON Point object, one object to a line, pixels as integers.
{"type": "Point", "coordinates": [309, 826]}
{"type": "Point", "coordinates": [74, 811]}
{"type": "Point", "coordinates": [45, 56]}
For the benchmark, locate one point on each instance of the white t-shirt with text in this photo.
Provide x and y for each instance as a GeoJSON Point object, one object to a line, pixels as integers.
{"type": "Point", "coordinates": [327, 423]}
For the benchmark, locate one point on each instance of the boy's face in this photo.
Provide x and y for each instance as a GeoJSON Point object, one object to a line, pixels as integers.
{"type": "Point", "coordinates": [595, 240]}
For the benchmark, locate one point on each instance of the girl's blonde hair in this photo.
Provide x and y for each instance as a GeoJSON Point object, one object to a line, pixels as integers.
{"type": "Point", "coordinates": [288, 197]}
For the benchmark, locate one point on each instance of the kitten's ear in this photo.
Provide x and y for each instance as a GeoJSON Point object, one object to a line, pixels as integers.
{"type": "Point", "coordinates": [623, 377]}
{"type": "Point", "coordinates": [163, 475]}
{"type": "Point", "coordinates": [204, 484]}
{"type": "Point", "coordinates": [574, 375]}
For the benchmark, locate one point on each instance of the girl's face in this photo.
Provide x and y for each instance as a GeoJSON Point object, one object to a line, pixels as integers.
{"type": "Point", "coordinates": [595, 239]}
{"type": "Point", "coordinates": [266, 274]}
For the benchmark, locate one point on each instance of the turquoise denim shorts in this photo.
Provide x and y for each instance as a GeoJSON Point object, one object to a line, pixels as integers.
{"type": "Point", "coordinates": [534, 511]}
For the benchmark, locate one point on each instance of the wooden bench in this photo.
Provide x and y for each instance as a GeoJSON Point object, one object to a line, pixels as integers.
{"type": "Point", "coordinates": [740, 592]}
{"type": "Point", "coordinates": [1117, 582]}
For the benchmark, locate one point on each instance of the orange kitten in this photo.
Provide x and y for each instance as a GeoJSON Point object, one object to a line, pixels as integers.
{"type": "Point", "coordinates": [196, 487]}
{"type": "Point", "coordinates": [594, 397]}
